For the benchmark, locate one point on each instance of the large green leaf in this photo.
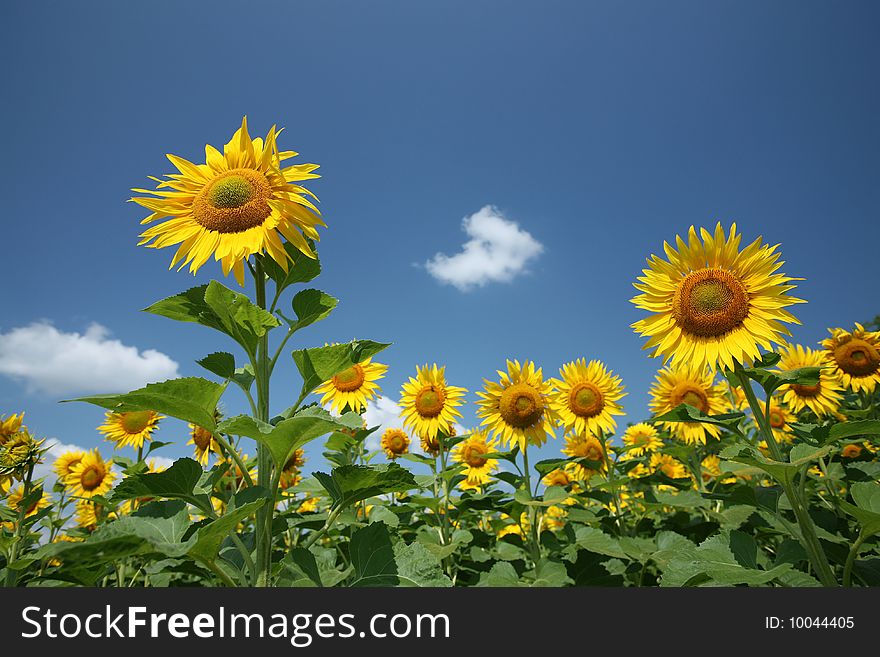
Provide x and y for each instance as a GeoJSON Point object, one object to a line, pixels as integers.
{"type": "Point", "coordinates": [687, 413]}
{"type": "Point", "coordinates": [372, 557]}
{"type": "Point", "coordinates": [417, 566]}
{"type": "Point", "coordinates": [209, 537]}
{"type": "Point", "coordinates": [283, 438]}
{"type": "Point", "coordinates": [349, 484]}
{"type": "Point", "coordinates": [300, 268]}
{"type": "Point", "coordinates": [220, 363]}
{"type": "Point", "coordinates": [311, 306]}
{"type": "Point", "coordinates": [771, 380]}
{"type": "Point", "coordinates": [323, 363]}
{"type": "Point", "coordinates": [180, 482]}
{"type": "Point", "coordinates": [192, 399]}
{"type": "Point", "coordinates": [595, 540]}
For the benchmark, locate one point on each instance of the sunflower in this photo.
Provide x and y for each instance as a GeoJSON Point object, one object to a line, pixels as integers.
{"type": "Point", "coordinates": [518, 407]}
{"type": "Point", "coordinates": [856, 356]}
{"type": "Point", "coordinates": [711, 303]}
{"type": "Point", "coordinates": [641, 438]}
{"type": "Point", "coordinates": [395, 443]}
{"type": "Point", "coordinates": [65, 462]}
{"type": "Point", "coordinates": [779, 418]}
{"type": "Point", "coordinates": [90, 476]}
{"type": "Point", "coordinates": [290, 474]}
{"type": "Point", "coordinates": [20, 452]}
{"type": "Point", "coordinates": [554, 517]}
{"type": "Point", "coordinates": [851, 451]}
{"type": "Point", "coordinates": [132, 428]}
{"type": "Point", "coordinates": [587, 396]}
{"type": "Point", "coordinates": [676, 385]}
{"type": "Point", "coordinates": [471, 452]}
{"type": "Point", "coordinates": [430, 446]}
{"type": "Point", "coordinates": [823, 398]}
{"type": "Point", "coordinates": [87, 514]}
{"type": "Point", "coordinates": [671, 467]}
{"type": "Point", "coordinates": [235, 205]}
{"type": "Point", "coordinates": [204, 443]}
{"type": "Point", "coordinates": [588, 447]}
{"type": "Point", "coordinates": [308, 505]}
{"type": "Point", "coordinates": [557, 477]}
{"type": "Point", "coordinates": [16, 495]}
{"type": "Point", "coordinates": [10, 426]}
{"type": "Point", "coordinates": [429, 404]}
{"type": "Point", "coordinates": [352, 388]}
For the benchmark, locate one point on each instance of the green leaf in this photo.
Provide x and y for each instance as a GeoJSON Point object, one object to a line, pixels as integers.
{"type": "Point", "coordinates": [372, 557]}
{"type": "Point", "coordinates": [209, 537]}
{"type": "Point", "coordinates": [180, 482]}
{"type": "Point", "coordinates": [460, 538]}
{"type": "Point", "coordinates": [188, 306]}
{"type": "Point", "coordinates": [349, 484]}
{"type": "Point", "coordinates": [311, 306]}
{"type": "Point", "coordinates": [300, 268]}
{"type": "Point", "coordinates": [240, 319]}
{"type": "Point", "coordinates": [687, 413]}
{"type": "Point", "coordinates": [417, 566]}
{"type": "Point", "coordinates": [770, 381]}
{"type": "Point", "coordinates": [283, 438]}
{"type": "Point", "coordinates": [551, 574]}
{"type": "Point", "coordinates": [552, 495]}
{"type": "Point", "coordinates": [192, 399]}
{"type": "Point", "coordinates": [683, 499]}
{"type": "Point", "coordinates": [595, 540]}
{"type": "Point", "coordinates": [323, 363]}
{"type": "Point", "coordinates": [502, 574]}
{"type": "Point", "coordinates": [303, 568]}
{"type": "Point", "coordinates": [220, 363]}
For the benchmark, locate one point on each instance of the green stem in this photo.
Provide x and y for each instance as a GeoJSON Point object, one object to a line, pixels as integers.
{"type": "Point", "coordinates": [234, 455]}
{"type": "Point", "coordinates": [851, 558]}
{"type": "Point", "coordinates": [263, 529]}
{"type": "Point", "coordinates": [810, 539]}
{"type": "Point", "coordinates": [11, 574]}
{"type": "Point", "coordinates": [327, 524]}
{"type": "Point", "coordinates": [533, 541]}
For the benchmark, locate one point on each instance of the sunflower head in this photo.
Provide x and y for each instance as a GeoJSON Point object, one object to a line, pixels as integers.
{"type": "Point", "coordinates": [856, 357]}
{"type": "Point", "coordinates": [851, 451]}
{"type": "Point", "coordinates": [694, 386]}
{"type": "Point", "coordinates": [90, 476]}
{"type": "Point", "coordinates": [587, 396]}
{"type": "Point", "coordinates": [472, 454]}
{"type": "Point", "coordinates": [557, 477]}
{"type": "Point", "coordinates": [641, 438]}
{"type": "Point", "coordinates": [671, 467]}
{"type": "Point", "coordinates": [353, 387]}
{"type": "Point", "coordinates": [20, 453]}
{"type": "Point", "coordinates": [713, 304]}
{"type": "Point", "coordinates": [129, 428]}
{"type": "Point", "coordinates": [65, 462]}
{"type": "Point", "coordinates": [240, 203]}
{"type": "Point", "coordinates": [395, 443]}
{"type": "Point", "coordinates": [587, 447]}
{"type": "Point", "coordinates": [10, 426]}
{"type": "Point", "coordinates": [429, 404]}
{"type": "Point", "coordinates": [518, 408]}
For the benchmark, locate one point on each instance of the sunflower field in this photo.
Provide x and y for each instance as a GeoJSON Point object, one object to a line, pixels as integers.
{"type": "Point", "coordinates": [757, 465]}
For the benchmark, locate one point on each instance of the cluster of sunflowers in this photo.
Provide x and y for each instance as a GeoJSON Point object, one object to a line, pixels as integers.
{"type": "Point", "coordinates": [716, 487]}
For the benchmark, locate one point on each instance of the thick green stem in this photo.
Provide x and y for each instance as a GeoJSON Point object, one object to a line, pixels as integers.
{"type": "Point", "coordinates": [810, 539]}
{"type": "Point", "coordinates": [12, 575]}
{"type": "Point", "coordinates": [314, 536]}
{"type": "Point", "coordinates": [851, 558]}
{"type": "Point", "coordinates": [263, 529]}
{"type": "Point", "coordinates": [532, 540]}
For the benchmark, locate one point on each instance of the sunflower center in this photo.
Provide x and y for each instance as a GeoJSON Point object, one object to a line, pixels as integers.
{"type": "Point", "coordinates": [692, 396]}
{"type": "Point", "coordinates": [397, 443]}
{"type": "Point", "coordinates": [473, 456]}
{"type": "Point", "coordinates": [806, 391]}
{"type": "Point", "coordinates": [586, 400]}
{"type": "Point", "coordinates": [202, 438]}
{"type": "Point", "coordinates": [857, 357]}
{"type": "Point", "coordinates": [429, 401]}
{"type": "Point", "coordinates": [233, 201]}
{"type": "Point", "coordinates": [350, 379]}
{"type": "Point", "coordinates": [135, 421]}
{"type": "Point", "coordinates": [710, 303]}
{"type": "Point", "coordinates": [521, 405]}
{"type": "Point", "coordinates": [776, 420]}
{"type": "Point", "coordinates": [91, 478]}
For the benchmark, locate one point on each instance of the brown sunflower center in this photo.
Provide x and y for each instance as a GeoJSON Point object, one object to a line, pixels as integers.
{"type": "Point", "coordinates": [586, 400]}
{"type": "Point", "coordinates": [350, 379]}
{"type": "Point", "coordinates": [857, 357]}
{"type": "Point", "coordinates": [233, 201]}
{"type": "Point", "coordinates": [776, 420]}
{"type": "Point", "coordinates": [134, 422]}
{"type": "Point", "coordinates": [91, 478]}
{"type": "Point", "coordinates": [851, 451]}
{"type": "Point", "coordinates": [710, 303]}
{"type": "Point", "coordinates": [429, 401]}
{"type": "Point", "coordinates": [690, 395]}
{"type": "Point", "coordinates": [591, 450]}
{"type": "Point", "coordinates": [202, 438]}
{"type": "Point", "coordinates": [397, 442]}
{"type": "Point", "coordinates": [473, 456]}
{"type": "Point", "coordinates": [806, 391]}
{"type": "Point", "coordinates": [521, 405]}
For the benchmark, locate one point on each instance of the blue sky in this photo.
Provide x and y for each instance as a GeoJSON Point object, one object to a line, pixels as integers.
{"type": "Point", "coordinates": [600, 128]}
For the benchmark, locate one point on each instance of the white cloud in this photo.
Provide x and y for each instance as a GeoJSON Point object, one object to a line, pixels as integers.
{"type": "Point", "coordinates": [384, 413]}
{"type": "Point", "coordinates": [51, 361]}
{"type": "Point", "coordinates": [498, 250]}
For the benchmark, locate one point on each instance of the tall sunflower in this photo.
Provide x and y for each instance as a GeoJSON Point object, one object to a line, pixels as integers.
{"type": "Point", "coordinates": [641, 438]}
{"type": "Point", "coordinates": [856, 357]}
{"type": "Point", "coordinates": [472, 453]}
{"type": "Point", "coordinates": [395, 443]}
{"type": "Point", "coordinates": [711, 303]}
{"type": "Point", "coordinates": [690, 385]}
{"type": "Point", "coordinates": [129, 428]}
{"type": "Point", "coordinates": [352, 388]}
{"type": "Point", "coordinates": [587, 396]}
{"type": "Point", "coordinates": [823, 398]}
{"type": "Point", "coordinates": [588, 447]}
{"type": "Point", "coordinates": [239, 203]}
{"type": "Point", "coordinates": [64, 463]}
{"type": "Point", "coordinates": [518, 407]}
{"type": "Point", "coordinates": [429, 404]}
{"type": "Point", "coordinates": [90, 476]}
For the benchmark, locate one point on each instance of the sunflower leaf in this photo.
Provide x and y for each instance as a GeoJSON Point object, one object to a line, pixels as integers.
{"type": "Point", "coordinates": [771, 380]}
{"type": "Point", "coordinates": [349, 484]}
{"type": "Point", "coordinates": [220, 363]}
{"type": "Point", "coordinates": [300, 269]}
{"type": "Point", "coordinates": [192, 399]}
{"type": "Point", "coordinates": [321, 364]}
{"type": "Point", "coordinates": [687, 413]}
{"type": "Point", "coordinates": [372, 557]}
{"type": "Point", "coordinates": [311, 306]}
{"type": "Point", "coordinates": [209, 537]}
{"type": "Point", "coordinates": [179, 482]}
{"type": "Point", "coordinates": [243, 321]}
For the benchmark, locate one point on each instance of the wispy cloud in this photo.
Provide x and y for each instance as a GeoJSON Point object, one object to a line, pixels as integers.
{"type": "Point", "coordinates": [54, 362]}
{"type": "Point", "coordinates": [498, 250]}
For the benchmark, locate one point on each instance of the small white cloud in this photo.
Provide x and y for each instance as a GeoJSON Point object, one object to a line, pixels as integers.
{"type": "Point", "coordinates": [498, 250]}
{"type": "Point", "coordinates": [384, 413]}
{"type": "Point", "coordinates": [51, 361]}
